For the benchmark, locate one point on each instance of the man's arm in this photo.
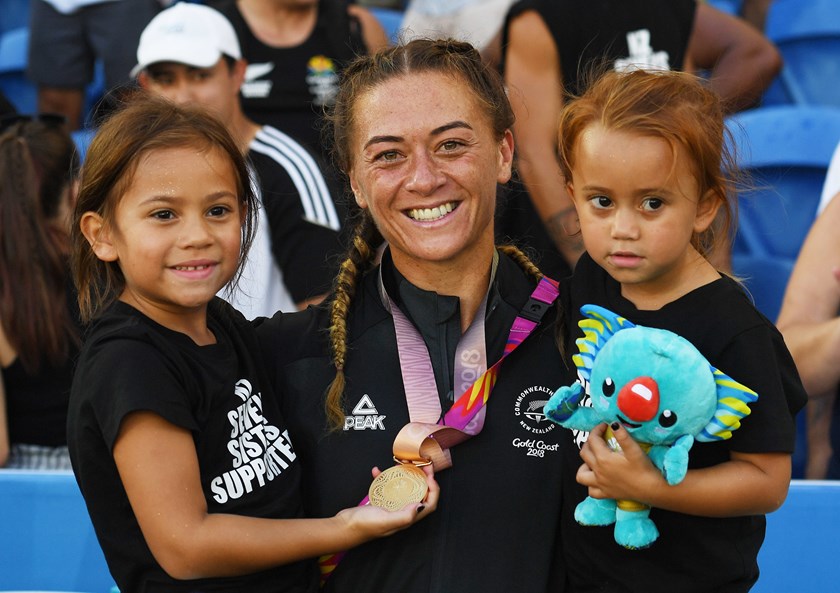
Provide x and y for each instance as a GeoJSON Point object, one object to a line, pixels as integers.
{"type": "Point", "coordinates": [533, 76]}
{"type": "Point", "coordinates": [741, 61]}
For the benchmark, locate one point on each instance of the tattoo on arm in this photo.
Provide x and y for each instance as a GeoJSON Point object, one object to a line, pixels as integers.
{"type": "Point", "coordinates": [565, 231]}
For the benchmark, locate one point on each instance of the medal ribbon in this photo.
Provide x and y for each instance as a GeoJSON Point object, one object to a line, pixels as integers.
{"type": "Point", "coordinates": [421, 442]}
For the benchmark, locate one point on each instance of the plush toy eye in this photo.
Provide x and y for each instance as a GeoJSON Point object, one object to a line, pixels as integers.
{"type": "Point", "coordinates": [608, 388]}
{"type": "Point", "coordinates": [667, 419]}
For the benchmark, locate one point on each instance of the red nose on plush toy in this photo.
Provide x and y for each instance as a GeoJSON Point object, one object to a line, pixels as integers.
{"type": "Point", "coordinates": [639, 399]}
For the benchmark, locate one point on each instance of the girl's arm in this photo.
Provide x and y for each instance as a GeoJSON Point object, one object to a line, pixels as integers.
{"type": "Point", "coordinates": [159, 469]}
{"type": "Point", "coordinates": [808, 319]}
{"type": "Point", "coordinates": [748, 484]}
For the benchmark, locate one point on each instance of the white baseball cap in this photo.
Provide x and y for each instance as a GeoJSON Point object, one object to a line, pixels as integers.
{"type": "Point", "coordinates": [187, 33]}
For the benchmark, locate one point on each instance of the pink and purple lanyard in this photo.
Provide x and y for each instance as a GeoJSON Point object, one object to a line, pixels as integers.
{"type": "Point", "coordinates": [428, 436]}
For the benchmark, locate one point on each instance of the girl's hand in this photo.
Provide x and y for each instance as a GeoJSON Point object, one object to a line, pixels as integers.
{"type": "Point", "coordinates": [370, 522]}
{"type": "Point", "coordinates": [609, 474]}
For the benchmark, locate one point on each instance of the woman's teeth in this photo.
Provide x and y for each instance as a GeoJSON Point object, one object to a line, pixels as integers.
{"type": "Point", "coordinates": [427, 214]}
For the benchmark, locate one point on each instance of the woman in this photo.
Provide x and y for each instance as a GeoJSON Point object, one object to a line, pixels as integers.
{"type": "Point", "coordinates": [423, 132]}
{"type": "Point", "coordinates": [39, 326]}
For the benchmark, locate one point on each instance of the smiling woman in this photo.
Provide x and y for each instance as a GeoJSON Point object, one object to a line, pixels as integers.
{"type": "Point", "coordinates": [422, 131]}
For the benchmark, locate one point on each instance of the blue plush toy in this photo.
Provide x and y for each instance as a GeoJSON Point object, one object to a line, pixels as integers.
{"type": "Point", "coordinates": [665, 394]}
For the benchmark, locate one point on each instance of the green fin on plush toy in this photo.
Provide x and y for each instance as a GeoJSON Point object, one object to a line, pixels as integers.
{"type": "Point", "coordinates": [665, 394]}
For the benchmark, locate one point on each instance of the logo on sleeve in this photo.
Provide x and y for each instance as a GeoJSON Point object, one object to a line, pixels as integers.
{"type": "Point", "coordinates": [364, 416]}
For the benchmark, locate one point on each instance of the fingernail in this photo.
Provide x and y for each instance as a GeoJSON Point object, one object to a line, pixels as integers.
{"type": "Point", "coordinates": [615, 425]}
{"type": "Point", "coordinates": [420, 509]}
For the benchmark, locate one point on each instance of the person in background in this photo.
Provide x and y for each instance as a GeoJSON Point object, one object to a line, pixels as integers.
{"type": "Point", "coordinates": [39, 321]}
{"type": "Point", "coordinates": [423, 132]}
{"type": "Point", "coordinates": [186, 465]}
{"type": "Point", "coordinates": [647, 182]}
{"type": "Point", "coordinates": [296, 50]}
{"type": "Point", "coordinates": [190, 54]}
{"type": "Point", "coordinates": [66, 39]}
{"type": "Point", "coordinates": [810, 321]}
{"type": "Point", "coordinates": [478, 22]}
{"type": "Point", "coordinates": [551, 46]}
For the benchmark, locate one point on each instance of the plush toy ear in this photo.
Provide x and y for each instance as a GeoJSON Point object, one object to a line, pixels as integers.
{"type": "Point", "coordinates": [732, 405]}
{"type": "Point", "coordinates": [598, 326]}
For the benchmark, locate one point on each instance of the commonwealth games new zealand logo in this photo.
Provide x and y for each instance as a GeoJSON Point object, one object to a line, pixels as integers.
{"type": "Point", "coordinates": [528, 408]}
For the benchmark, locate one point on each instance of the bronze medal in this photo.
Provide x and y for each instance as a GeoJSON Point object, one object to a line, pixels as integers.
{"type": "Point", "coordinates": [398, 486]}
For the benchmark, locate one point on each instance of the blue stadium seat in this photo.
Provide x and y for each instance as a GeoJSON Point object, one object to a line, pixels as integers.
{"type": "Point", "coordinates": [727, 6]}
{"type": "Point", "coordinates": [13, 81]}
{"type": "Point", "coordinates": [807, 33]}
{"type": "Point", "coordinates": [15, 14]}
{"type": "Point", "coordinates": [765, 279]}
{"type": "Point", "coordinates": [787, 150]}
{"type": "Point", "coordinates": [800, 549]}
{"type": "Point", "coordinates": [390, 19]}
{"type": "Point", "coordinates": [82, 138]}
{"type": "Point", "coordinates": [47, 541]}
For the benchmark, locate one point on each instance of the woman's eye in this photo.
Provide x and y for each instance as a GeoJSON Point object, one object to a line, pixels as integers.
{"type": "Point", "coordinates": [652, 204]}
{"type": "Point", "coordinates": [450, 145]}
{"type": "Point", "coordinates": [387, 156]}
{"type": "Point", "coordinates": [600, 201]}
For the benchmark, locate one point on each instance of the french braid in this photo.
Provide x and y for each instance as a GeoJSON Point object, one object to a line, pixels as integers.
{"type": "Point", "coordinates": [360, 259]}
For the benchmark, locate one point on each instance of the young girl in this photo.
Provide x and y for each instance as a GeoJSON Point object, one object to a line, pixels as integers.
{"type": "Point", "coordinates": [39, 325]}
{"type": "Point", "coordinates": [648, 170]}
{"type": "Point", "coordinates": [177, 443]}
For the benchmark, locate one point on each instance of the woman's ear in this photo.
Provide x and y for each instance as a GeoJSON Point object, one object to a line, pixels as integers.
{"type": "Point", "coordinates": [357, 193]}
{"type": "Point", "coordinates": [98, 234]}
{"type": "Point", "coordinates": [505, 158]}
{"type": "Point", "coordinates": [707, 209]}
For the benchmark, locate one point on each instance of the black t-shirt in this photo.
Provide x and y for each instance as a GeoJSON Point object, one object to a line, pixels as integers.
{"type": "Point", "coordinates": [36, 403]}
{"type": "Point", "coordinates": [218, 392]}
{"type": "Point", "coordinates": [289, 87]}
{"type": "Point", "coordinates": [496, 525]}
{"type": "Point", "coordinates": [306, 216]}
{"type": "Point", "coordinates": [692, 554]}
{"type": "Point", "coordinates": [648, 33]}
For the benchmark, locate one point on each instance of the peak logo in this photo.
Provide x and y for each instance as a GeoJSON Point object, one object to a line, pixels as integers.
{"type": "Point", "coordinates": [528, 408]}
{"type": "Point", "coordinates": [364, 416]}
